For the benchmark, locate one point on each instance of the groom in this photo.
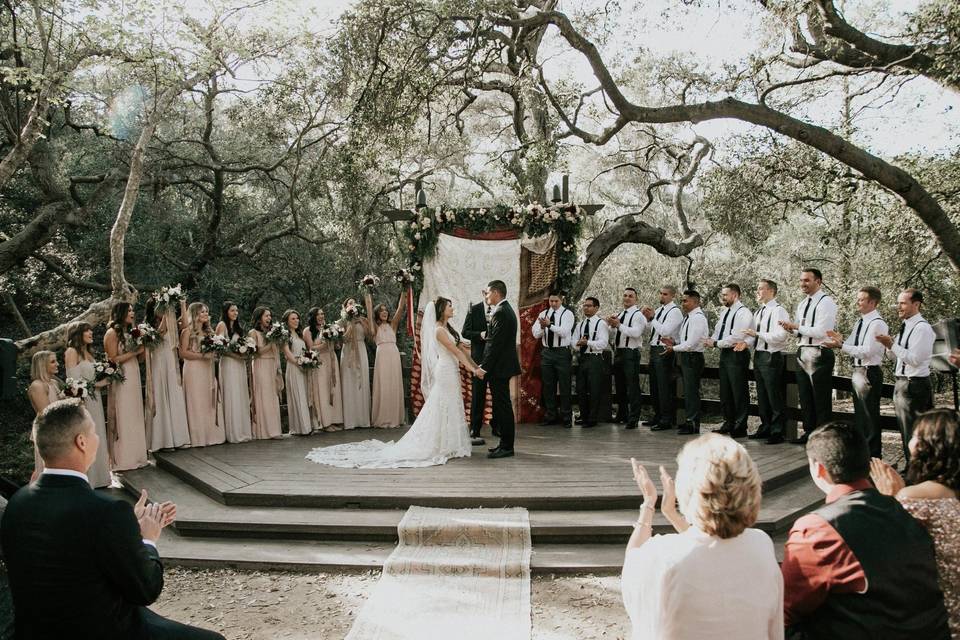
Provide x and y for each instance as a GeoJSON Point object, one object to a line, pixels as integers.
{"type": "Point", "coordinates": [500, 363]}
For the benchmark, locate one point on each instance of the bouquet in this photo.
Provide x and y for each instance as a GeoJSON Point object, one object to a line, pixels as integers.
{"type": "Point", "coordinates": [370, 281]}
{"type": "Point", "coordinates": [352, 310]}
{"type": "Point", "coordinates": [246, 347]}
{"type": "Point", "coordinates": [332, 332]}
{"type": "Point", "coordinates": [404, 277]}
{"type": "Point", "coordinates": [75, 388]}
{"type": "Point", "coordinates": [308, 360]}
{"type": "Point", "coordinates": [108, 370]}
{"type": "Point", "coordinates": [167, 296]}
{"type": "Point", "coordinates": [145, 335]}
{"type": "Point", "coordinates": [213, 343]}
{"type": "Point", "coordinates": [277, 334]}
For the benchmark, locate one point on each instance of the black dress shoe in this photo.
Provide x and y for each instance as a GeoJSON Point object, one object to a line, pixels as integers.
{"type": "Point", "coordinates": [661, 427]}
{"type": "Point", "coordinates": [588, 425]}
{"type": "Point", "coordinates": [477, 441]}
{"type": "Point", "coordinates": [802, 439]}
{"type": "Point", "coordinates": [774, 439]}
{"type": "Point", "coordinates": [688, 430]}
{"type": "Point", "coordinates": [759, 434]}
{"type": "Point", "coordinates": [650, 423]}
{"type": "Point", "coordinates": [492, 449]}
{"type": "Point", "coordinates": [501, 453]}
{"type": "Point", "coordinates": [632, 425]}
{"type": "Point", "coordinates": [579, 420]}
{"type": "Point", "coordinates": [619, 420]}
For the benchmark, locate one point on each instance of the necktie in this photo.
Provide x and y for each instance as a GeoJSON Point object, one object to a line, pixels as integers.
{"type": "Point", "coordinates": [657, 318]}
{"type": "Point", "coordinates": [550, 333]}
{"type": "Point", "coordinates": [623, 316]}
{"type": "Point", "coordinates": [803, 321]}
{"type": "Point", "coordinates": [903, 365]}
{"type": "Point", "coordinates": [760, 342]}
{"type": "Point", "coordinates": [585, 334]}
{"type": "Point", "coordinates": [856, 340]}
{"type": "Point", "coordinates": [723, 325]}
{"type": "Point", "coordinates": [685, 328]}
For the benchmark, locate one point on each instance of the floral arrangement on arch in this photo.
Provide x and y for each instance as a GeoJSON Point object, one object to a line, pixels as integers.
{"type": "Point", "coordinates": [564, 219]}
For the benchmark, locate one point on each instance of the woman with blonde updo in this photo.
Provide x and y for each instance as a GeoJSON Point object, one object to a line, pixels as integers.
{"type": "Point", "coordinates": [716, 577]}
{"type": "Point", "coordinates": [204, 408]}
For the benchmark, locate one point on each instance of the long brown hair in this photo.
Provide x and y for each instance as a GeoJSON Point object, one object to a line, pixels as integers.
{"type": "Point", "coordinates": [75, 338]}
{"type": "Point", "coordinates": [937, 455]}
{"type": "Point", "coordinates": [118, 317]}
{"type": "Point", "coordinates": [376, 313]}
{"type": "Point", "coordinates": [441, 304]}
{"type": "Point", "coordinates": [286, 316]}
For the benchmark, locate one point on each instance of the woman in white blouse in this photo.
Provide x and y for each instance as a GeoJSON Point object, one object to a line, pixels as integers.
{"type": "Point", "coordinates": [715, 577]}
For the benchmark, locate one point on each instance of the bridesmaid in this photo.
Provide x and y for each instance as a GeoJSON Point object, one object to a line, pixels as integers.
{"type": "Point", "coordinates": [204, 409]}
{"type": "Point", "coordinates": [44, 388]}
{"type": "Point", "coordinates": [126, 425]}
{"type": "Point", "coordinates": [265, 379]}
{"type": "Point", "coordinates": [388, 411]}
{"type": "Point", "coordinates": [299, 421]}
{"type": "Point", "coordinates": [166, 406]}
{"type": "Point", "coordinates": [355, 371]}
{"type": "Point", "coordinates": [324, 381]}
{"type": "Point", "coordinates": [78, 360]}
{"type": "Point", "coordinates": [233, 378]}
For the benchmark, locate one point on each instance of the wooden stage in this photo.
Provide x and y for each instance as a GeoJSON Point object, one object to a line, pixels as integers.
{"type": "Point", "coordinates": [262, 504]}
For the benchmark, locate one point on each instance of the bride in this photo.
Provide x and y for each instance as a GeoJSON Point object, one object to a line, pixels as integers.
{"type": "Point", "coordinates": [440, 431]}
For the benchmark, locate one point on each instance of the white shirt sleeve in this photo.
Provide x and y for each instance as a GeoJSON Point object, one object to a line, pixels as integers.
{"type": "Point", "coordinates": [636, 325]}
{"type": "Point", "coordinates": [826, 320]}
{"type": "Point", "coordinates": [536, 329]}
{"type": "Point", "coordinates": [869, 347]}
{"type": "Point", "coordinates": [921, 346]}
{"type": "Point", "coordinates": [669, 324]}
{"type": "Point", "coordinates": [698, 331]}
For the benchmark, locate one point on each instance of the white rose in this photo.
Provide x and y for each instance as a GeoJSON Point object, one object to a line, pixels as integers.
{"type": "Point", "coordinates": [417, 237]}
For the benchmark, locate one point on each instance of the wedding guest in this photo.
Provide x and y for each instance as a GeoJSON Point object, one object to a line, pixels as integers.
{"type": "Point", "coordinates": [387, 402]}
{"type": "Point", "coordinates": [234, 386]}
{"type": "Point", "coordinates": [859, 567]}
{"type": "Point", "coordinates": [931, 497]}
{"type": "Point", "coordinates": [265, 379]}
{"type": "Point", "coordinates": [816, 316]}
{"type": "Point", "coordinates": [166, 405]}
{"type": "Point", "coordinates": [202, 391]}
{"type": "Point", "coordinates": [44, 389]}
{"type": "Point", "coordinates": [324, 381]}
{"type": "Point", "coordinates": [625, 333]}
{"type": "Point", "coordinates": [689, 345]}
{"type": "Point", "coordinates": [670, 582]}
{"type": "Point", "coordinates": [355, 367]}
{"type": "Point", "coordinates": [83, 565]}
{"type": "Point", "coordinates": [299, 421]}
{"type": "Point", "coordinates": [592, 340]}
{"type": "Point", "coordinates": [729, 337]}
{"type": "Point", "coordinates": [769, 339]}
{"type": "Point", "coordinates": [664, 323]}
{"type": "Point", "coordinates": [475, 331]}
{"type": "Point", "coordinates": [78, 360]}
{"type": "Point", "coordinates": [553, 328]}
{"type": "Point", "coordinates": [913, 348]}
{"type": "Point", "coordinates": [867, 355]}
{"type": "Point", "coordinates": [126, 423]}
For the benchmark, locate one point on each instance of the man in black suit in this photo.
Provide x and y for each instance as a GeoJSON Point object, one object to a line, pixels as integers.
{"type": "Point", "coordinates": [475, 330]}
{"type": "Point", "coordinates": [81, 564]}
{"type": "Point", "coordinates": [500, 363]}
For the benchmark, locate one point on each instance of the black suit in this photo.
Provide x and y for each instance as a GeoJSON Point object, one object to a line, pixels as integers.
{"type": "Point", "coordinates": [475, 324]}
{"type": "Point", "coordinates": [501, 362]}
{"type": "Point", "coordinates": [78, 567]}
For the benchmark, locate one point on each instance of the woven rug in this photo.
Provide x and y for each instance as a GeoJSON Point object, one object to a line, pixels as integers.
{"type": "Point", "coordinates": [461, 574]}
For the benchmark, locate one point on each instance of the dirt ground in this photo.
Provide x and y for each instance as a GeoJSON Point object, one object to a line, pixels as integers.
{"type": "Point", "coordinates": [262, 605]}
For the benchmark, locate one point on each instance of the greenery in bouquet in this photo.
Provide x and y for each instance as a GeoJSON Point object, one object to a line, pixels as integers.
{"type": "Point", "coordinates": [75, 388]}
{"type": "Point", "coordinates": [332, 332]}
{"type": "Point", "coordinates": [168, 296]}
{"type": "Point", "coordinates": [277, 334]}
{"type": "Point", "coordinates": [214, 343]}
{"type": "Point", "coordinates": [108, 370]}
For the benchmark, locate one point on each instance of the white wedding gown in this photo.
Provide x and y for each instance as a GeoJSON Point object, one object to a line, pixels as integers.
{"type": "Point", "coordinates": [438, 434]}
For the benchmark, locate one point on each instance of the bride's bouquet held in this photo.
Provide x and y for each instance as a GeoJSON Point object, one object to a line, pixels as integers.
{"type": "Point", "coordinates": [404, 277]}
{"type": "Point", "coordinates": [370, 282]}
{"type": "Point", "coordinates": [167, 296]}
{"type": "Point", "coordinates": [143, 335]}
{"type": "Point", "coordinates": [351, 311]}
{"type": "Point", "coordinates": [332, 332]}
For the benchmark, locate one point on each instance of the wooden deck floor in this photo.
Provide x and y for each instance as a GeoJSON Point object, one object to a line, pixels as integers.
{"type": "Point", "coordinates": [554, 468]}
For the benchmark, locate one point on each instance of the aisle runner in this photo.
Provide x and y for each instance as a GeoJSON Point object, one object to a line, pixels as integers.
{"type": "Point", "coordinates": [459, 574]}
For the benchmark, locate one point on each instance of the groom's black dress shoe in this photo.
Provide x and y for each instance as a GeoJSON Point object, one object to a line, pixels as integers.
{"type": "Point", "coordinates": [492, 449]}
{"type": "Point", "coordinates": [501, 453]}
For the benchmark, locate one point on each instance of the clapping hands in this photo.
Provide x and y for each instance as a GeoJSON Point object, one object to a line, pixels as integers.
{"type": "Point", "coordinates": [885, 478]}
{"type": "Point", "coordinates": [153, 517]}
{"type": "Point", "coordinates": [644, 482]}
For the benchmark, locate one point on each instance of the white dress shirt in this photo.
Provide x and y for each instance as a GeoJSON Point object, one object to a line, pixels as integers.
{"type": "Point", "coordinates": [729, 328]}
{"type": "Point", "coordinates": [666, 322]}
{"type": "Point", "coordinates": [692, 331]}
{"type": "Point", "coordinates": [690, 585]}
{"type": "Point", "coordinates": [766, 322]}
{"type": "Point", "coordinates": [632, 324]}
{"type": "Point", "coordinates": [862, 345]}
{"type": "Point", "coordinates": [913, 348]}
{"type": "Point", "coordinates": [596, 331]}
{"type": "Point", "coordinates": [816, 315]}
{"type": "Point", "coordinates": [561, 327]}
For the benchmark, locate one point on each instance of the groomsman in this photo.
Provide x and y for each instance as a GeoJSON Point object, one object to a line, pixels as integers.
{"type": "Point", "coordinates": [769, 339]}
{"type": "Point", "coordinates": [913, 348]}
{"type": "Point", "coordinates": [593, 340]}
{"type": "Point", "coordinates": [554, 328]}
{"type": "Point", "coordinates": [728, 336]}
{"type": "Point", "coordinates": [475, 330]}
{"type": "Point", "coordinates": [665, 323]}
{"type": "Point", "coordinates": [688, 346]}
{"type": "Point", "coordinates": [816, 315]}
{"type": "Point", "coordinates": [867, 354]}
{"type": "Point", "coordinates": [625, 336]}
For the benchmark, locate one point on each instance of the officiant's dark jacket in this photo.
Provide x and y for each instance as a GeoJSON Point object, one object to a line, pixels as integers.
{"type": "Point", "coordinates": [77, 565]}
{"type": "Point", "coordinates": [474, 324]}
{"type": "Point", "coordinates": [500, 357]}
